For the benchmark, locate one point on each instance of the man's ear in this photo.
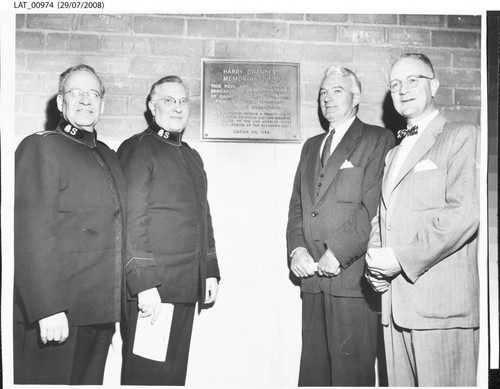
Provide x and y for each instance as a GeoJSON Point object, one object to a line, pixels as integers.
{"type": "Point", "coordinates": [434, 86]}
{"type": "Point", "coordinates": [102, 107]}
{"type": "Point", "coordinates": [151, 107]}
{"type": "Point", "coordinates": [59, 101]}
{"type": "Point", "coordinates": [356, 100]}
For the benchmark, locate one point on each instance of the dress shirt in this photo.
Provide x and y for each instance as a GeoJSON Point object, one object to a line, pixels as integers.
{"type": "Point", "coordinates": [407, 144]}
{"type": "Point", "coordinates": [339, 134]}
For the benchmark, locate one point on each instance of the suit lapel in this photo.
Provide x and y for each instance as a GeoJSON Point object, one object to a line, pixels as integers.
{"type": "Point", "coordinates": [339, 156]}
{"type": "Point", "coordinates": [428, 138]}
{"type": "Point", "coordinates": [387, 180]}
{"type": "Point", "coordinates": [313, 166]}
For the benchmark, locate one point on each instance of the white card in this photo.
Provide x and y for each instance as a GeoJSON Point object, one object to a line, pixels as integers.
{"type": "Point", "coordinates": [151, 340]}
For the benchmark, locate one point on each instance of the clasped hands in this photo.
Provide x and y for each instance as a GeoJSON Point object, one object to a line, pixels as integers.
{"type": "Point", "coordinates": [303, 265]}
{"type": "Point", "coordinates": [381, 266]}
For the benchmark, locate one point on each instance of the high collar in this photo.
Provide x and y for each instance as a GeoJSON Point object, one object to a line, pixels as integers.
{"type": "Point", "coordinates": [173, 138]}
{"type": "Point", "coordinates": [80, 136]}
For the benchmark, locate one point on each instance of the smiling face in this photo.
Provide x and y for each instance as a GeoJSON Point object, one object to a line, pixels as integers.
{"type": "Point", "coordinates": [413, 103]}
{"type": "Point", "coordinates": [174, 117]}
{"type": "Point", "coordinates": [337, 101]}
{"type": "Point", "coordinates": [83, 111]}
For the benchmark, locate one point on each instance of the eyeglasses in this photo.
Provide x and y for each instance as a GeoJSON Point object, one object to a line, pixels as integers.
{"type": "Point", "coordinates": [170, 101]}
{"type": "Point", "coordinates": [78, 94]}
{"type": "Point", "coordinates": [411, 81]}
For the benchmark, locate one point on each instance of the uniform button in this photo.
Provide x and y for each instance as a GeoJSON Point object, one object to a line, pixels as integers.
{"type": "Point", "coordinates": [314, 214]}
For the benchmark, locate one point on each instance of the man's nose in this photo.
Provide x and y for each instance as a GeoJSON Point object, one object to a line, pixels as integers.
{"type": "Point", "coordinates": [404, 87]}
{"type": "Point", "coordinates": [85, 99]}
{"type": "Point", "coordinates": [177, 107]}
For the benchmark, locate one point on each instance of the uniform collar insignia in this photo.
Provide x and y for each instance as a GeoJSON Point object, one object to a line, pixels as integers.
{"type": "Point", "coordinates": [80, 136]}
{"type": "Point", "coordinates": [174, 138]}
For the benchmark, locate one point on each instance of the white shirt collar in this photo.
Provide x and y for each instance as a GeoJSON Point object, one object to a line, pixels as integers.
{"type": "Point", "coordinates": [422, 125]}
{"type": "Point", "coordinates": [409, 141]}
{"type": "Point", "coordinates": [342, 129]}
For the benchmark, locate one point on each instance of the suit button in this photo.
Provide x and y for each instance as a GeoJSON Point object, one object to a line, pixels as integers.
{"type": "Point", "coordinates": [321, 175]}
{"type": "Point", "coordinates": [389, 228]}
{"type": "Point", "coordinates": [319, 184]}
{"type": "Point", "coordinates": [314, 214]}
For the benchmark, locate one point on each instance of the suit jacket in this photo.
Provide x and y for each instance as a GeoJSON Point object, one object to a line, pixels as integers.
{"type": "Point", "coordinates": [333, 207]}
{"type": "Point", "coordinates": [70, 202]}
{"type": "Point", "coordinates": [170, 226]}
{"type": "Point", "coordinates": [430, 218]}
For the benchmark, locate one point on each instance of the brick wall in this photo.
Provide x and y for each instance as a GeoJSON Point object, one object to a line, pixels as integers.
{"type": "Point", "coordinates": [132, 51]}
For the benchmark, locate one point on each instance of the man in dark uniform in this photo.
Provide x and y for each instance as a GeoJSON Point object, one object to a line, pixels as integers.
{"type": "Point", "coordinates": [69, 242]}
{"type": "Point", "coordinates": [170, 227]}
{"type": "Point", "coordinates": [334, 198]}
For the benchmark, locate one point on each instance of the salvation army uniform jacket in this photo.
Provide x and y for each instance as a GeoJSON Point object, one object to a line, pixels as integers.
{"type": "Point", "coordinates": [170, 227]}
{"type": "Point", "coordinates": [69, 228]}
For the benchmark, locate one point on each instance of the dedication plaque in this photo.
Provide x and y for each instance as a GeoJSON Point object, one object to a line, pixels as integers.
{"type": "Point", "coordinates": [257, 101]}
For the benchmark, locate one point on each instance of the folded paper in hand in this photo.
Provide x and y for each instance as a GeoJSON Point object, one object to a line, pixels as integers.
{"type": "Point", "coordinates": [346, 164]}
{"type": "Point", "coordinates": [151, 340]}
{"type": "Point", "coordinates": [425, 164]}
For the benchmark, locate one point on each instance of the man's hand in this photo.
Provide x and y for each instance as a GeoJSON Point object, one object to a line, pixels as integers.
{"type": "Point", "coordinates": [54, 328]}
{"type": "Point", "coordinates": [149, 304]}
{"type": "Point", "coordinates": [378, 284]}
{"type": "Point", "coordinates": [382, 262]}
{"type": "Point", "coordinates": [302, 264]}
{"type": "Point", "coordinates": [211, 290]}
{"type": "Point", "coordinates": [328, 265]}
{"type": "Point", "coordinates": [382, 265]}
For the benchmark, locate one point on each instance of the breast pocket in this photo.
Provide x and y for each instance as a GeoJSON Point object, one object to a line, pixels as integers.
{"type": "Point", "coordinates": [428, 189]}
{"type": "Point", "coordinates": [349, 185]}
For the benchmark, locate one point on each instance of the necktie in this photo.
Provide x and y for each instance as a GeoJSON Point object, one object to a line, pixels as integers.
{"type": "Point", "coordinates": [408, 132]}
{"type": "Point", "coordinates": [326, 149]}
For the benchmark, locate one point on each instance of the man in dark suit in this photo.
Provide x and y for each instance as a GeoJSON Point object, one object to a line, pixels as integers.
{"type": "Point", "coordinates": [70, 203]}
{"type": "Point", "coordinates": [423, 247]}
{"type": "Point", "coordinates": [174, 259]}
{"type": "Point", "coordinates": [334, 198]}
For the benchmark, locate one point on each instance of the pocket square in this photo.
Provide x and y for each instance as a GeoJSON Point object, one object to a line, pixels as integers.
{"type": "Point", "coordinates": [425, 164]}
{"type": "Point", "coordinates": [347, 164]}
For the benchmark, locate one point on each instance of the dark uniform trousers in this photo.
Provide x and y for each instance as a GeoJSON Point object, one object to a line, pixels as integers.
{"type": "Point", "coordinates": [80, 360]}
{"type": "Point", "coordinates": [339, 342]}
{"type": "Point", "coordinates": [137, 370]}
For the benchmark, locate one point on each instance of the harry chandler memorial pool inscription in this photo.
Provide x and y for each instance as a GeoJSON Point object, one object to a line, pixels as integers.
{"type": "Point", "coordinates": [252, 101]}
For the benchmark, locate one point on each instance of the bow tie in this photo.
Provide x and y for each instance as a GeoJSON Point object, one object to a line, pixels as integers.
{"type": "Point", "coordinates": [407, 132]}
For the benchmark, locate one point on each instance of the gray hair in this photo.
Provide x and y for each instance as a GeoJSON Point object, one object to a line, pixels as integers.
{"type": "Point", "coordinates": [420, 57]}
{"type": "Point", "coordinates": [347, 73]}
{"type": "Point", "coordinates": [164, 80]}
{"type": "Point", "coordinates": [82, 67]}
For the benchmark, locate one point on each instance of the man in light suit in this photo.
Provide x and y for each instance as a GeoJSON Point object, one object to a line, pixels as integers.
{"type": "Point", "coordinates": [423, 246]}
{"type": "Point", "coordinates": [334, 199]}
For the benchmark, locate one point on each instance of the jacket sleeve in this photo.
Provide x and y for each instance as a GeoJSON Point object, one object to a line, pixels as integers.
{"type": "Point", "coordinates": [294, 233]}
{"type": "Point", "coordinates": [350, 241]}
{"type": "Point", "coordinates": [212, 263]}
{"type": "Point", "coordinates": [140, 269]}
{"type": "Point", "coordinates": [211, 256]}
{"type": "Point", "coordinates": [457, 221]}
{"type": "Point", "coordinates": [39, 276]}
